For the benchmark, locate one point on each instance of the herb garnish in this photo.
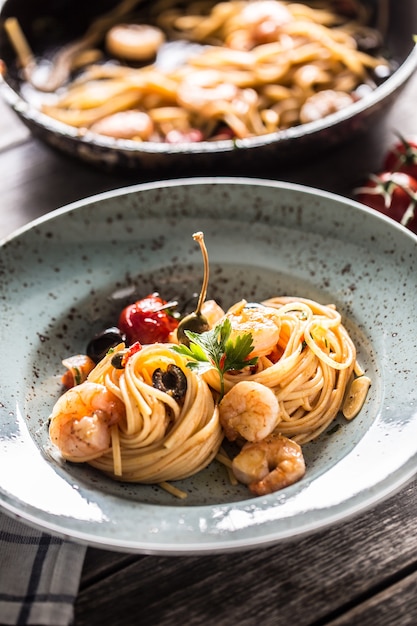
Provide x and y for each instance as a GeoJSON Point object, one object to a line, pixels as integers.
{"type": "Point", "coordinates": [216, 349]}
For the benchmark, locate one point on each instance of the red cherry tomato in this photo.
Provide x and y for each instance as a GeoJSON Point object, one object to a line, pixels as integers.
{"type": "Point", "coordinates": [394, 194]}
{"type": "Point", "coordinates": [402, 158]}
{"type": "Point", "coordinates": [146, 321]}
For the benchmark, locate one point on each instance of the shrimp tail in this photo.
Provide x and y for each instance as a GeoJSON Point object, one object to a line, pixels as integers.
{"type": "Point", "coordinates": [283, 475]}
{"type": "Point", "coordinates": [269, 465]}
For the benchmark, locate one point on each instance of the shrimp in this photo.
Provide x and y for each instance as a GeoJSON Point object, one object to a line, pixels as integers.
{"type": "Point", "coordinates": [196, 92]}
{"type": "Point", "coordinates": [212, 312]}
{"type": "Point", "coordinates": [269, 465]}
{"type": "Point", "coordinates": [81, 420]}
{"type": "Point", "coordinates": [261, 321]}
{"type": "Point", "coordinates": [257, 23]}
{"type": "Point", "coordinates": [134, 42]}
{"type": "Point", "coordinates": [131, 124]}
{"type": "Point", "coordinates": [324, 103]}
{"type": "Point", "coordinates": [249, 410]}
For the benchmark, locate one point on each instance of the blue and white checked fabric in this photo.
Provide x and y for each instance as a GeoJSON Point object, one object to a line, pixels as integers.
{"type": "Point", "coordinates": [39, 576]}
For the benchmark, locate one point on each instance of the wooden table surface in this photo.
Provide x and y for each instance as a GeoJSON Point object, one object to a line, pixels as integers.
{"type": "Point", "coordinates": [363, 571]}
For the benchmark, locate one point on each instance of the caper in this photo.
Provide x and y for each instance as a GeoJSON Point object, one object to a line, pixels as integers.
{"type": "Point", "coordinates": [101, 343]}
{"type": "Point", "coordinates": [171, 381]}
{"type": "Point", "coordinates": [196, 322]}
{"type": "Point", "coordinates": [117, 360]}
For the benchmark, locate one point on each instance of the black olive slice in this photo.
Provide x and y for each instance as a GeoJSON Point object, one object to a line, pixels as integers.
{"type": "Point", "coordinates": [171, 381]}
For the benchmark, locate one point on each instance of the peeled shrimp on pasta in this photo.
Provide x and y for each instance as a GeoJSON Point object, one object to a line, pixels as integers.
{"type": "Point", "coordinates": [269, 465]}
{"type": "Point", "coordinates": [249, 410]}
{"type": "Point", "coordinates": [81, 421]}
{"type": "Point", "coordinates": [262, 322]}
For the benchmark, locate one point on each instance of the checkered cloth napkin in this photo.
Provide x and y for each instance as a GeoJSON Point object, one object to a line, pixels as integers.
{"type": "Point", "coordinates": [39, 576]}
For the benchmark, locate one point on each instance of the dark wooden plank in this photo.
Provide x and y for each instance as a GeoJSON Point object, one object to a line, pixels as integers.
{"type": "Point", "coordinates": [396, 606]}
{"type": "Point", "coordinates": [99, 564]}
{"type": "Point", "coordinates": [13, 131]}
{"type": "Point", "coordinates": [36, 180]}
{"type": "Point", "coordinates": [307, 581]}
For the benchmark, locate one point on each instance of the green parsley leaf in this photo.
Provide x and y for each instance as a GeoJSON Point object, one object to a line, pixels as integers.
{"type": "Point", "coordinates": [216, 349]}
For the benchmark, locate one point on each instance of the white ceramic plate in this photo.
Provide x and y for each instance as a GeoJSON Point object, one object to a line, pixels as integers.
{"type": "Point", "coordinates": [66, 276]}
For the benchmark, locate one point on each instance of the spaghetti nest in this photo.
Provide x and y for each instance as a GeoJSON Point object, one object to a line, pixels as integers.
{"type": "Point", "coordinates": [160, 438]}
{"type": "Point", "coordinates": [309, 368]}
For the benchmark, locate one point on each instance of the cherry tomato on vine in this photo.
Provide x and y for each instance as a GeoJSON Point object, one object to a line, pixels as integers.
{"type": "Point", "coordinates": [392, 193]}
{"type": "Point", "coordinates": [147, 321]}
{"type": "Point", "coordinates": [402, 157]}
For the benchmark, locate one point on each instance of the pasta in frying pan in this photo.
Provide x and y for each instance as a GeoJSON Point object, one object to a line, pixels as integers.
{"type": "Point", "coordinates": [248, 68]}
